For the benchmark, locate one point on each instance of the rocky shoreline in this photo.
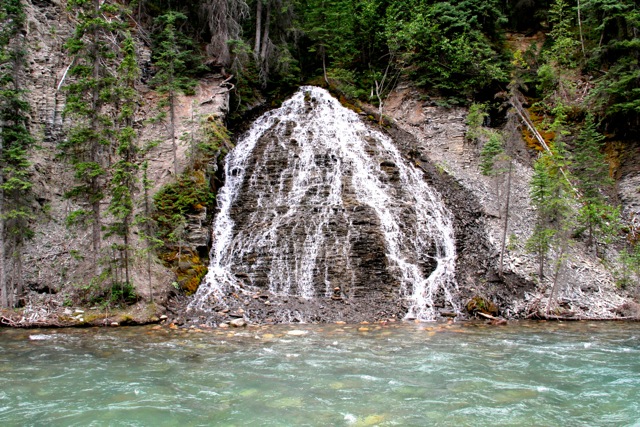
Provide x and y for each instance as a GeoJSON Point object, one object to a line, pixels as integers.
{"type": "Point", "coordinates": [259, 310]}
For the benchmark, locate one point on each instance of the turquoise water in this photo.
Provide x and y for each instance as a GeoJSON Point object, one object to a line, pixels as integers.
{"type": "Point", "coordinates": [543, 374]}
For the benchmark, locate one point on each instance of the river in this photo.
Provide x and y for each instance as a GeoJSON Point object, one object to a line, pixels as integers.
{"type": "Point", "coordinates": [405, 374]}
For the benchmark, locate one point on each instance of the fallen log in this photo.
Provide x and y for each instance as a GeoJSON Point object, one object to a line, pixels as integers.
{"type": "Point", "coordinates": [494, 320]}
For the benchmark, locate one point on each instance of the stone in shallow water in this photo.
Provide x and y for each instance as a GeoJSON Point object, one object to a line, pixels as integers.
{"type": "Point", "coordinates": [297, 332]}
{"type": "Point", "coordinates": [249, 392]}
{"type": "Point", "coordinates": [371, 420]}
{"type": "Point", "coordinates": [238, 323]}
{"type": "Point", "coordinates": [287, 402]}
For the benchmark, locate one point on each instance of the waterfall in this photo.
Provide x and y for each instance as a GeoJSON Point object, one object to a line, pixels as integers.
{"type": "Point", "coordinates": [316, 204]}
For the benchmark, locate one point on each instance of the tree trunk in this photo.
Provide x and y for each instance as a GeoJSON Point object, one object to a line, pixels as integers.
{"type": "Point", "coordinates": [3, 274]}
{"type": "Point", "coordinates": [17, 272]}
{"type": "Point", "coordinates": [265, 39]}
{"type": "Point", "coordinates": [95, 231]}
{"type": "Point", "coordinates": [324, 65]}
{"type": "Point", "coordinates": [172, 130]}
{"type": "Point", "coordinates": [95, 149]}
{"type": "Point", "coordinates": [556, 274]}
{"type": "Point", "coordinates": [126, 251]}
{"type": "Point", "coordinates": [506, 219]}
{"type": "Point", "coordinates": [147, 215]}
{"type": "Point", "coordinates": [584, 55]}
{"type": "Point", "coordinates": [256, 47]}
{"type": "Point", "coordinates": [541, 256]}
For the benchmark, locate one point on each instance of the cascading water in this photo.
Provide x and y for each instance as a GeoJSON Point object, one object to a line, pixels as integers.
{"type": "Point", "coordinates": [317, 205]}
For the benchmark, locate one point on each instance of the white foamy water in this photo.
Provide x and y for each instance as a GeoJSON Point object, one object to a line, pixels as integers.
{"type": "Point", "coordinates": [335, 163]}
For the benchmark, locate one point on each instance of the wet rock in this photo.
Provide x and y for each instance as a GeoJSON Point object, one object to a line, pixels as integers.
{"type": "Point", "coordinates": [444, 313]}
{"type": "Point", "coordinates": [238, 323]}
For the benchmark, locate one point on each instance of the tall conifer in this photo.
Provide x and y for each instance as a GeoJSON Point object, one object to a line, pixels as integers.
{"type": "Point", "coordinates": [15, 141]}
{"type": "Point", "coordinates": [591, 171]}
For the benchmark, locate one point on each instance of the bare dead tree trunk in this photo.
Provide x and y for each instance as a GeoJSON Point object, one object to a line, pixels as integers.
{"type": "Point", "coordinates": [256, 47]}
{"type": "Point", "coordinates": [506, 219]}
{"type": "Point", "coordinates": [4, 301]}
{"type": "Point", "coordinates": [264, 50]}
{"type": "Point", "coordinates": [172, 129]}
{"type": "Point", "coordinates": [126, 252]}
{"type": "Point", "coordinates": [324, 64]}
{"type": "Point", "coordinates": [379, 86]}
{"type": "Point", "coordinates": [556, 274]}
{"type": "Point", "coordinates": [584, 55]}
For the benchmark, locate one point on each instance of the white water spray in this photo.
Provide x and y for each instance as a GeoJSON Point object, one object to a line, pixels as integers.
{"type": "Point", "coordinates": [335, 164]}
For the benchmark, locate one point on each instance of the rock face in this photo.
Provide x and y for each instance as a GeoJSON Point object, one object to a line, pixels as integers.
{"type": "Point", "coordinates": [303, 236]}
{"type": "Point", "coordinates": [319, 207]}
{"type": "Point", "coordinates": [56, 259]}
{"type": "Point", "coordinates": [437, 138]}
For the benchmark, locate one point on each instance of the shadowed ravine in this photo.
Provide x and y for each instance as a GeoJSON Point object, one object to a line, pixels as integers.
{"type": "Point", "coordinates": [320, 207]}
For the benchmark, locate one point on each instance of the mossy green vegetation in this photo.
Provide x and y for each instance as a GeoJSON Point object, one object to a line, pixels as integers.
{"type": "Point", "coordinates": [192, 195]}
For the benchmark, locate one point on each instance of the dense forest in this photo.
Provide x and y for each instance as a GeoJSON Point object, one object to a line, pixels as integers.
{"type": "Point", "coordinates": [569, 68]}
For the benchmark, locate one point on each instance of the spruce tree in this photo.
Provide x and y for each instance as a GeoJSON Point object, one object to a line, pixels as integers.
{"type": "Point", "coordinates": [551, 194]}
{"type": "Point", "coordinates": [147, 225]}
{"type": "Point", "coordinates": [326, 23]}
{"type": "Point", "coordinates": [591, 172]}
{"type": "Point", "coordinates": [89, 106]}
{"type": "Point", "coordinates": [173, 57]}
{"type": "Point", "coordinates": [124, 170]}
{"type": "Point", "coordinates": [494, 162]}
{"type": "Point", "coordinates": [15, 141]}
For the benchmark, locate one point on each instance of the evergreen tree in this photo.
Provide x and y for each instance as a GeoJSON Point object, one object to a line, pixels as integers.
{"type": "Point", "coordinates": [124, 170]}
{"type": "Point", "coordinates": [489, 153]}
{"type": "Point", "coordinates": [326, 23]}
{"type": "Point", "coordinates": [551, 195]}
{"type": "Point", "coordinates": [541, 190]}
{"type": "Point", "coordinates": [591, 172]}
{"type": "Point", "coordinates": [15, 141]}
{"type": "Point", "coordinates": [89, 105]}
{"type": "Point", "coordinates": [273, 22]}
{"type": "Point", "coordinates": [453, 47]}
{"type": "Point", "coordinates": [565, 43]}
{"type": "Point", "coordinates": [147, 226]}
{"type": "Point", "coordinates": [495, 163]}
{"type": "Point", "coordinates": [173, 57]}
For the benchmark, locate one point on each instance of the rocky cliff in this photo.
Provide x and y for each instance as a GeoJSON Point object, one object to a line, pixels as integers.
{"type": "Point", "coordinates": [56, 265]}
{"type": "Point", "coordinates": [430, 137]}
{"type": "Point", "coordinates": [587, 285]}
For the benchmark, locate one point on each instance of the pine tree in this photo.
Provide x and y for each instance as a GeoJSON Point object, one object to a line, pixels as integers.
{"type": "Point", "coordinates": [326, 22]}
{"type": "Point", "coordinates": [494, 162]}
{"type": "Point", "coordinates": [173, 55]}
{"type": "Point", "coordinates": [489, 153]}
{"type": "Point", "coordinates": [15, 141]}
{"type": "Point", "coordinates": [565, 45]}
{"type": "Point", "coordinates": [124, 170]}
{"type": "Point", "coordinates": [89, 105]}
{"type": "Point", "coordinates": [147, 226]}
{"type": "Point", "coordinates": [591, 171]}
{"type": "Point", "coordinates": [273, 20]}
{"type": "Point", "coordinates": [551, 194]}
